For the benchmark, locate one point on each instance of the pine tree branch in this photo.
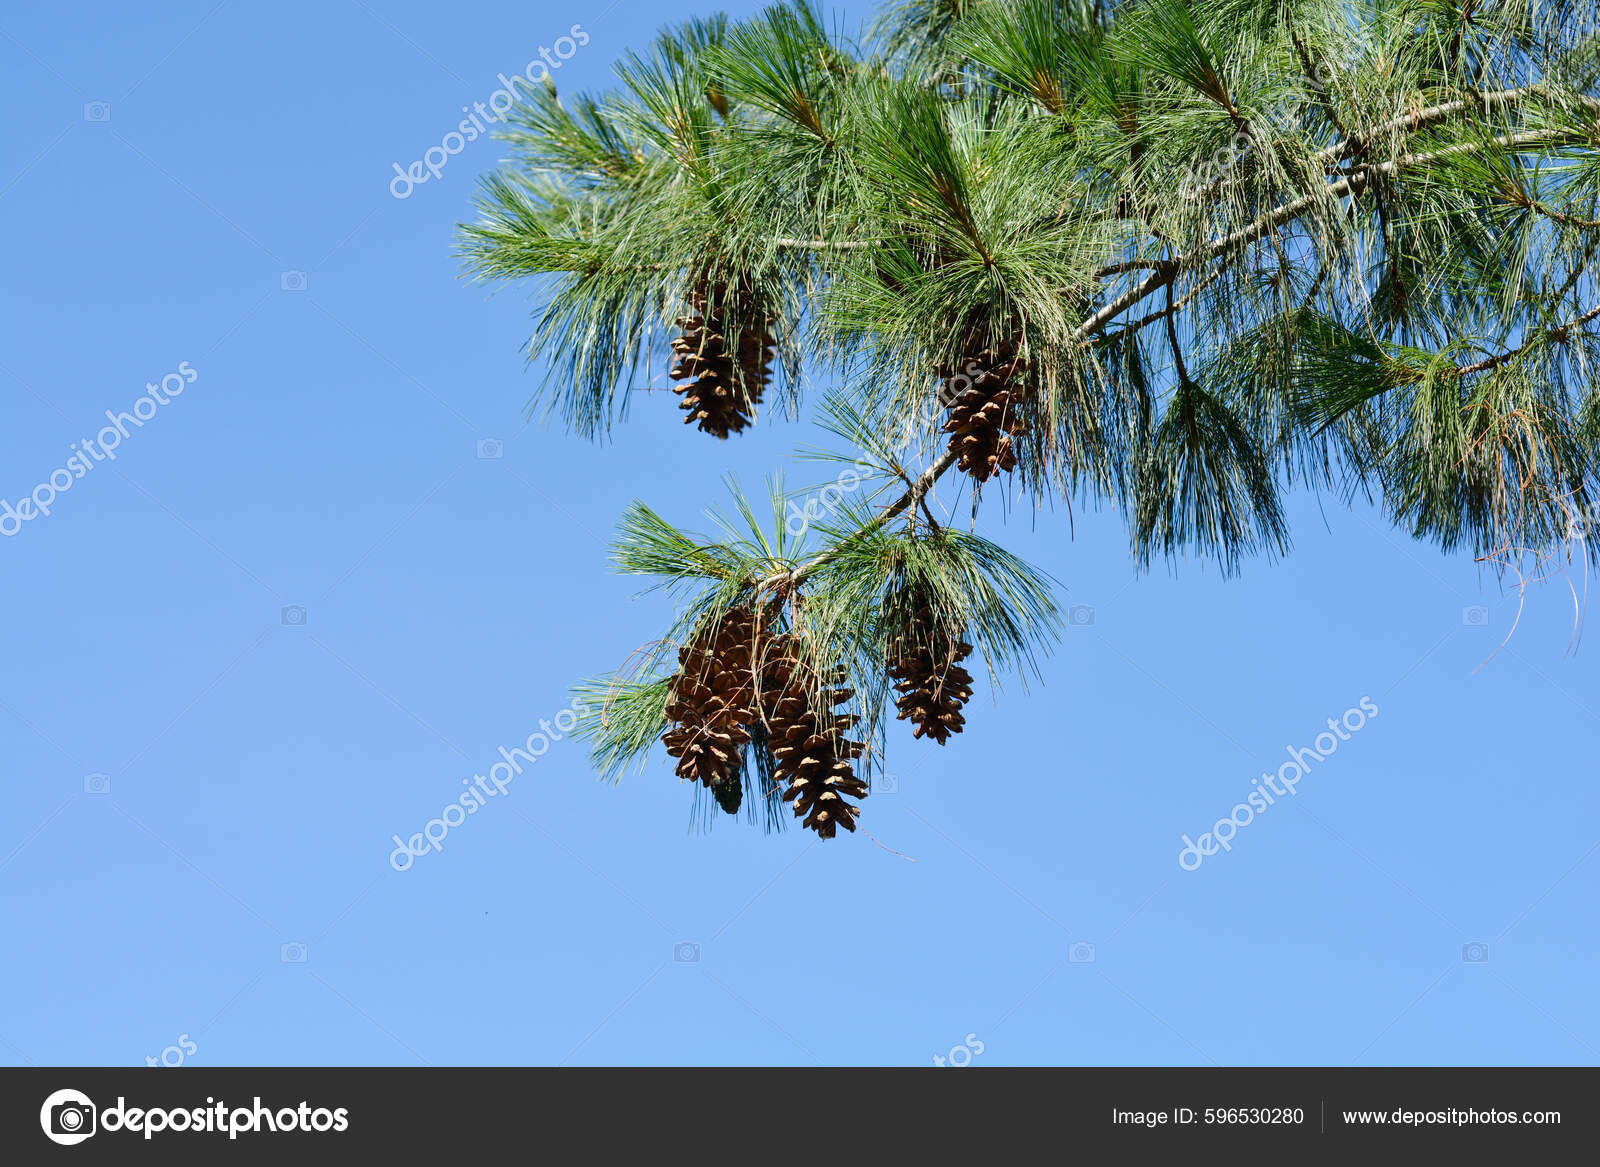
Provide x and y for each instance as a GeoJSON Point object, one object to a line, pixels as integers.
{"type": "Point", "coordinates": [1358, 179]}
{"type": "Point", "coordinates": [1131, 265]}
{"type": "Point", "coordinates": [786, 581]}
{"type": "Point", "coordinates": [1562, 217]}
{"type": "Point", "coordinates": [1165, 273]}
{"type": "Point", "coordinates": [1434, 114]}
{"type": "Point", "coordinates": [1157, 317]}
{"type": "Point", "coordinates": [1558, 333]}
{"type": "Point", "coordinates": [821, 244]}
{"type": "Point", "coordinates": [1172, 339]}
{"type": "Point", "coordinates": [1577, 271]}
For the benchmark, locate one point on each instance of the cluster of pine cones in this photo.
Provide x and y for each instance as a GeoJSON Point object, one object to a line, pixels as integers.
{"type": "Point", "coordinates": [731, 683]}
{"type": "Point", "coordinates": [724, 355]}
{"type": "Point", "coordinates": [736, 680]}
{"type": "Point", "coordinates": [985, 421]}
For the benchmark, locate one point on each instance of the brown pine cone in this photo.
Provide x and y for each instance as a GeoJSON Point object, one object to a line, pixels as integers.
{"type": "Point", "coordinates": [923, 663]}
{"type": "Point", "coordinates": [725, 379]}
{"type": "Point", "coordinates": [984, 422]}
{"type": "Point", "coordinates": [810, 751]}
{"type": "Point", "coordinates": [711, 703]}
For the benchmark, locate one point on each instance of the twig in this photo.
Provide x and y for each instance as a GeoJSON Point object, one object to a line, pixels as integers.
{"type": "Point", "coordinates": [1412, 122]}
{"type": "Point", "coordinates": [1116, 269]}
{"type": "Point", "coordinates": [1154, 317]}
{"type": "Point", "coordinates": [1557, 333]}
{"type": "Point", "coordinates": [822, 244]}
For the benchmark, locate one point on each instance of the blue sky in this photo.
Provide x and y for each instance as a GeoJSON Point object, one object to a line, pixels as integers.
{"type": "Point", "coordinates": [208, 183]}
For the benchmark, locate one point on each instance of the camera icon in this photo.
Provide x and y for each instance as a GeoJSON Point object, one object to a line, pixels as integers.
{"type": "Point", "coordinates": [1475, 952]}
{"type": "Point", "coordinates": [294, 616]}
{"type": "Point", "coordinates": [97, 783]}
{"type": "Point", "coordinates": [71, 1121]}
{"type": "Point", "coordinates": [293, 952]}
{"type": "Point", "coordinates": [72, 1118]}
{"type": "Point", "coordinates": [1475, 616]}
{"type": "Point", "coordinates": [97, 111]}
{"type": "Point", "coordinates": [886, 784]}
{"type": "Point", "coordinates": [686, 953]}
{"type": "Point", "coordinates": [1080, 616]}
{"type": "Point", "coordinates": [491, 448]}
{"type": "Point", "coordinates": [292, 281]}
{"type": "Point", "coordinates": [68, 1117]}
{"type": "Point", "coordinates": [1081, 953]}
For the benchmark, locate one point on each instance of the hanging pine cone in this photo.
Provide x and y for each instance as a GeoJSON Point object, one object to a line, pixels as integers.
{"type": "Point", "coordinates": [729, 792]}
{"type": "Point", "coordinates": [923, 663]}
{"type": "Point", "coordinates": [984, 423]}
{"type": "Point", "coordinates": [809, 749]}
{"type": "Point", "coordinates": [726, 374]}
{"type": "Point", "coordinates": [712, 703]}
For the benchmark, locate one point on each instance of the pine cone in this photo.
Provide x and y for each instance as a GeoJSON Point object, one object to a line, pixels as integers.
{"type": "Point", "coordinates": [933, 686]}
{"type": "Point", "coordinates": [725, 380]}
{"type": "Point", "coordinates": [984, 421]}
{"type": "Point", "coordinates": [712, 704]}
{"type": "Point", "coordinates": [809, 749]}
{"type": "Point", "coordinates": [729, 793]}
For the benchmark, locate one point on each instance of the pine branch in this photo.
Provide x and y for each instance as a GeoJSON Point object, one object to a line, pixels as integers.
{"type": "Point", "coordinates": [1434, 114]}
{"type": "Point", "coordinates": [912, 213]}
{"type": "Point", "coordinates": [1359, 179]}
{"type": "Point", "coordinates": [1162, 278]}
{"type": "Point", "coordinates": [1559, 333]}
